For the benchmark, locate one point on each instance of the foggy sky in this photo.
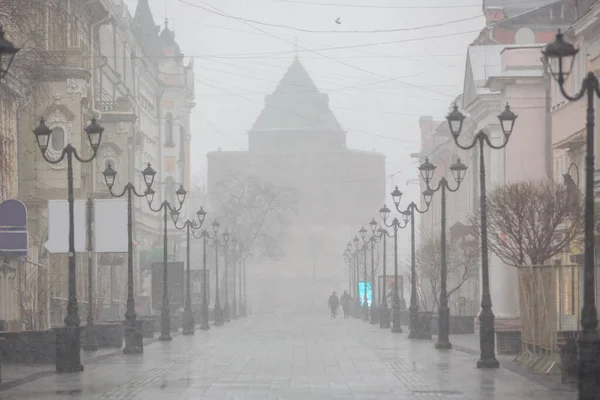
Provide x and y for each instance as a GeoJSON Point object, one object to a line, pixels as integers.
{"type": "Point", "coordinates": [232, 76]}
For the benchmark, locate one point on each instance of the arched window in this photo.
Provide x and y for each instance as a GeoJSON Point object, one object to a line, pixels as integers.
{"type": "Point", "coordinates": [169, 129]}
{"type": "Point", "coordinates": [170, 191]}
{"type": "Point", "coordinates": [57, 139]}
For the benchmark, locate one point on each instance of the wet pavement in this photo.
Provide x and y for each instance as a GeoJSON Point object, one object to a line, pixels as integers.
{"type": "Point", "coordinates": [289, 357]}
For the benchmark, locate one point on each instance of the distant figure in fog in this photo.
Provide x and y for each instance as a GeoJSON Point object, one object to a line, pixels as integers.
{"type": "Point", "coordinates": [334, 303]}
{"type": "Point", "coordinates": [346, 300]}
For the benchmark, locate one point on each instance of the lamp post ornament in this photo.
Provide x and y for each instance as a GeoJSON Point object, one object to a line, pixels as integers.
{"type": "Point", "coordinates": [132, 344]}
{"type": "Point", "coordinates": [507, 120]}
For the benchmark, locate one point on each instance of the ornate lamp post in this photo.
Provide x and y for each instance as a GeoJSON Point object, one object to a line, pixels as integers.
{"type": "Point", "coordinates": [560, 56]}
{"type": "Point", "coordinates": [204, 325]}
{"type": "Point", "coordinates": [132, 344]}
{"type": "Point", "coordinates": [165, 207]}
{"type": "Point", "coordinates": [363, 232]}
{"type": "Point", "coordinates": [357, 313]}
{"type": "Point", "coordinates": [372, 240]}
{"type": "Point", "coordinates": [384, 212]}
{"type": "Point", "coordinates": [68, 346]}
{"type": "Point", "coordinates": [8, 49]}
{"type": "Point", "coordinates": [235, 249]}
{"type": "Point", "coordinates": [458, 172]}
{"type": "Point", "coordinates": [190, 226]}
{"type": "Point", "coordinates": [216, 244]}
{"type": "Point", "coordinates": [416, 331]}
{"type": "Point", "coordinates": [486, 316]}
{"type": "Point", "coordinates": [243, 287]}
{"type": "Point", "coordinates": [384, 313]}
{"type": "Point", "coordinates": [226, 311]}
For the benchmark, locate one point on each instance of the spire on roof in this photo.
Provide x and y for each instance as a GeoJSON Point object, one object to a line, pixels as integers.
{"type": "Point", "coordinates": [146, 30]}
{"type": "Point", "coordinates": [296, 103]}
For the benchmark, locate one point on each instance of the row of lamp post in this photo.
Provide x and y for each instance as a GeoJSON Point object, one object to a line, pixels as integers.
{"type": "Point", "coordinates": [68, 339]}
{"type": "Point", "coordinates": [416, 325]}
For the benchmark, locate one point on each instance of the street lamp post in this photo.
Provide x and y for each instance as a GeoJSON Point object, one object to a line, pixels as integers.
{"type": "Point", "coordinates": [363, 233]}
{"type": "Point", "coordinates": [244, 269]}
{"type": "Point", "coordinates": [226, 316]}
{"type": "Point", "coordinates": [204, 325]}
{"type": "Point", "coordinates": [357, 277]}
{"type": "Point", "coordinates": [396, 311]}
{"type": "Point", "coordinates": [217, 308]}
{"type": "Point", "coordinates": [165, 207]}
{"type": "Point", "coordinates": [384, 313]}
{"type": "Point", "coordinates": [6, 48]}
{"type": "Point", "coordinates": [374, 238]}
{"type": "Point", "coordinates": [486, 316]}
{"type": "Point", "coordinates": [133, 344]}
{"type": "Point", "coordinates": [68, 346]}
{"type": "Point", "coordinates": [557, 53]}
{"type": "Point", "coordinates": [190, 226]}
{"type": "Point", "coordinates": [235, 247]}
{"type": "Point", "coordinates": [416, 328]}
{"type": "Point", "coordinates": [458, 172]}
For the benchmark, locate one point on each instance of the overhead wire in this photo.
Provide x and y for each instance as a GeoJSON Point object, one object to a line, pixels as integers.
{"type": "Point", "coordinates": [273, 25]}
{"type": "Point", "coordinates": [338, 61]}
{"type": "Point", "coordinates": [303, 116]}
{"type": "Point", "coordinates": [413, 7]}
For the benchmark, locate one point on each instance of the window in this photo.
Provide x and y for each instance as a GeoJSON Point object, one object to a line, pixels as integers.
{"type": "Point", "coordinates": [169, 129]}
{"type": "Point", "coordinates": [57, 139]}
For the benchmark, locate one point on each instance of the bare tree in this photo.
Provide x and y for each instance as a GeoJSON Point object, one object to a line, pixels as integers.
{"type": "Point", "coordinates": [29, 295]}
{"type": "Point", "coordinates": [462, 258]}
{"type": "Point", "coordinates": [529, 222]}
{"type": "Point", "coordinates": [256, 212]}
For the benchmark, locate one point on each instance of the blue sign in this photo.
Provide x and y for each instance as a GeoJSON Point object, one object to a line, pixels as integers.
{"type": "Point", "coordinates": [13, 228]}
{"type": "Point", "coordinates": [361, 292]}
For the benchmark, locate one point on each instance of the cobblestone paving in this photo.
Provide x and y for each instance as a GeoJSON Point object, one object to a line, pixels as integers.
{"type": "Point", "coordinates": [288, 357]}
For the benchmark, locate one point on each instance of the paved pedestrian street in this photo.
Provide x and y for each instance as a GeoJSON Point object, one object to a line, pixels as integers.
{"type": "Point", "coordinates": [289, 357]}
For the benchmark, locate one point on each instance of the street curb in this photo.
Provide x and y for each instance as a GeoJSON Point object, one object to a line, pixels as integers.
{"type": "Point", "coordinates": [525, 373]}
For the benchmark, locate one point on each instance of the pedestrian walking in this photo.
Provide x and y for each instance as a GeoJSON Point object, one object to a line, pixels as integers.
{"type": "Point", "coordinates": [346, 300]}
{"type": "Point", "coordinates": [334, 303]}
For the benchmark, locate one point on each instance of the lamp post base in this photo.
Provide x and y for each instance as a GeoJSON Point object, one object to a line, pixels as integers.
{"type": "Point", "coordinates": [443, 345]}
{"type": "Point", "coordinates": [165, 337]}
{"type": "Point", "coordinates": [68, 356]}
{"type": "Point", "coordinates": [384, 317]}
{"type": "Point", "coordinates": [234, 309]}
{"type": "Point", "coordinates": [226, 313]}
{"type": "Point", "coordinates": [396, 318]}
{"type": "Point", "coordinates": [365, 310]}
{"type": "Point", "coordinates": [374, 315]}
{"type": "Point", "coordinates": [188, 322]}
{"type": "Point", "coordinates": [487, 339]}
{"type": "Point", "coordinates": [134, 342]}
{"type": "Point", "coordinates": [204, 325]}
{"type": "Point", "coordinates": [488, 363]}
{"type": "Point", "coordinates": [218, 315]}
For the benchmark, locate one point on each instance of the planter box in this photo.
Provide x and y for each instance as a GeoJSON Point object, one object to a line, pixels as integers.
{"type": "Point", "coordinates": [29, 347]}
{"type": "Point", "coordinates": [508, 342]}
{"type": "Point", "coordinates": [459, 325]}
{"type": "Point", "coordinates": [108, 335]}
{"type": "Point", "coordinates": [148, 325]}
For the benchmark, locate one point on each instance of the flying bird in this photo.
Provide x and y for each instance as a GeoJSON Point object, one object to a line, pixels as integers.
{"type": "Point", "coordinates": [338, 21]}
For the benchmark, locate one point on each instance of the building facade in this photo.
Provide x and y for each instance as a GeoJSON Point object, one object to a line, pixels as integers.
{"type": "Point", "coordinates": [297, 142]}
{"type": "Point", "coordinates": [130, 74]}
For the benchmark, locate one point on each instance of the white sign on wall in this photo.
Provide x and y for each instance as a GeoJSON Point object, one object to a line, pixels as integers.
{"type": "Point", "coordinates": [58, 226]}
{"type": "Point", "coordinates": [110, 226]}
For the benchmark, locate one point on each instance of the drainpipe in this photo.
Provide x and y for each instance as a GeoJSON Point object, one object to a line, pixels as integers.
{"type": "Point", "coordinates": [548, 120]}
{"type": "Point", "coordinates": [19, 157]}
